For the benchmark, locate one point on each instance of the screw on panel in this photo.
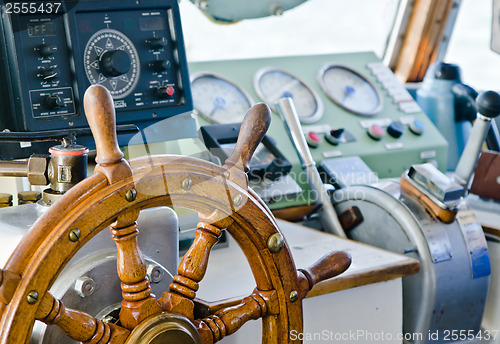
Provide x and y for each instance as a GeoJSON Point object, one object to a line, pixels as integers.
{"type": "Point", "coordinates": [74, 235]}
{"type": "Point", "coordinates": [203, 4]}
{"type": "Point", "coordinates": [294, 296]}
{"type": "Point", "coordinates": [278, 11]}
{"type": "Point", "coordinates": [131, 195]}
{"type": "Point", "coordinates": [32, 297]}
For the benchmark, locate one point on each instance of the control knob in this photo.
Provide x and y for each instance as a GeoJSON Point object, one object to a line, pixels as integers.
{"type": "Point", "coordinates": [156, 42]}
{"type": "Point", "coordinates": [159, 65]}
{"type": "Point", "coordinates": [115, 63]}
{"type": "Point", "coordinates": [54, 102]}
{"type": "Point", "coordinates": [45, 50]}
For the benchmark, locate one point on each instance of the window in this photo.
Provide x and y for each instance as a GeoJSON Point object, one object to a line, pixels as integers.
{"type": "Point", "coordinates": [315, 27]}
{"type": "Point", "coordinates": [469, 46]}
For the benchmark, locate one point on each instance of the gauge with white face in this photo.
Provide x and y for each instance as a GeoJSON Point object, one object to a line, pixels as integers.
{"type": "Point", "coordinates": [272, 84]}
{"type": "Point", "coordinates": [219, 100]}
{"type": "Point", "coordinates": [350, 90]}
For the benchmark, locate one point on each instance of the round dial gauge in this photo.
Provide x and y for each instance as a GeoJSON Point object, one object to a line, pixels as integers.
{"type": "Point", "coordinates": [273, 84]}
{"type": "Point", "coordinates": [350, 89]}
{"type": "Point", "coordinates": [110, 59]}
{"type": "Point", "coordinates": [218, 99]}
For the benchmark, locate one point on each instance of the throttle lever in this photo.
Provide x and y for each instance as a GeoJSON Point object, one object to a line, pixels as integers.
{"type": "Point", "coordinates": [327, 213]}
{"type": "Point", "coordinates": [488, 105]}
{"type": "Point", "coordinates": [326, 267]}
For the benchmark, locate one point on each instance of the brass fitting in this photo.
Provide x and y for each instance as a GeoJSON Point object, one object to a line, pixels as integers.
{"type": "Point", "coordinates": [37, 169]}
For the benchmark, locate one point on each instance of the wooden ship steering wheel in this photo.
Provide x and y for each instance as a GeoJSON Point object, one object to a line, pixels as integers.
{"type": "Point", "coordinates": [113, 197]}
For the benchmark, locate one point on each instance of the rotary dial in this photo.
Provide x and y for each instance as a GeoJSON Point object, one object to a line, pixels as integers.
{"type": "Point", "coordinates": [110, 59]}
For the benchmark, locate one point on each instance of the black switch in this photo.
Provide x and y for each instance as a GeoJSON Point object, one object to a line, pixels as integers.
{"type": "Point", "coordinates": [159, 65]}
{"type": "Point", "coordinates": [54, 102]}
{"type": "Point", "coordinates": [46, 50]}
{"type": "Point", "coordinates": [334, 136]}
{"type": "Point", "coordinates": [156, 42]}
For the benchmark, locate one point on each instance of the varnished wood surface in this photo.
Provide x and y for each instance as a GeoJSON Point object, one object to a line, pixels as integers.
{"type": "Point", "coordinates": [369, 265]}
{"type": "Point", "coordinates": [323, 269]}
{"type": "Point", "coordinates": [293, 214]}
{"type": "Point", "coordinates": [252, 131]}
{"type": "Point", "coordinates": [423, 37]}
{"type": "Point", "coordinates": [489, 221]}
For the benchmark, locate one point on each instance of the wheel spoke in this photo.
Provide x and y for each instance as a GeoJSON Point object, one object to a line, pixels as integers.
{"type": "Point", "coordinates": [78, 325]}
{"type": "Point", "coordinates": [191, 270]}
{"type": "Point", "coordinates": [138, 303]}
{"type": "Point", "coordinates": [228, 320]}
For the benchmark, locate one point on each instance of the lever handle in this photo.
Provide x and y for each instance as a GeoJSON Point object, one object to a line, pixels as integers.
{"type": "Point", "coordinates": [488, 105]}
{"type": "Point", "coordinates": [253, 129]}
{"type": "Point", "coordinates": [326, 267]}
{"type": "Point", "coordinates": [100, 112]}
{"type": "Point", "coordinates": [327, 213]}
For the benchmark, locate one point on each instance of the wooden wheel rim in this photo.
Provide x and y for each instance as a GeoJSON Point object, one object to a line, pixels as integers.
{"type": "Point", "coordinates": [158, 181]}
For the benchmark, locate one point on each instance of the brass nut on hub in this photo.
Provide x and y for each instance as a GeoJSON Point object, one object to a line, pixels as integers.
{"type": "Point", "coordinates": [37, 167]}
{"type": "Point", "coordinates": [85, 286]}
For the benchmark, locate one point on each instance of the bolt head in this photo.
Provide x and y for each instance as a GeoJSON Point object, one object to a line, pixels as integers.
{"type": "Point", "coordinates": [74, 235]}
{"type": "Point", "coordinates": [187, 184]}
{"type": "Point", "coordinates": [294, 296]}
{"type": "Point", "coordinates": [32, 297]}
{"type": "Point", "coordinates": [275, 243]}
{"type": "Point", "coordinates": [155, 273]}
{"type": "Point", "coordinates": [85, 286]}
{"type": "Point", "coordinates": [131, 195]}
{"type": "Point", "coordinates": [237, 200]}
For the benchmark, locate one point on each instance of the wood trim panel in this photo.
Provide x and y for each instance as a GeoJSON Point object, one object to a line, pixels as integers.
{"type": "Point", "coordinates": [423, 37]}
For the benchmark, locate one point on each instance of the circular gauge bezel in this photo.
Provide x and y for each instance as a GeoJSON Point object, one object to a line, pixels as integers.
{"type": "Point", "coordinates": [247, 96]}
{"type": "Point", "coordinates": [316, 116]}
{"type": "Point", "coordinates": [328, 66]}
{"type": "Point", "coordinates": [134, 55]}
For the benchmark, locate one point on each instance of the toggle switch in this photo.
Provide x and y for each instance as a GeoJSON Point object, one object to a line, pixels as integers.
{"type": "Point", "coordinates": [334, 136]}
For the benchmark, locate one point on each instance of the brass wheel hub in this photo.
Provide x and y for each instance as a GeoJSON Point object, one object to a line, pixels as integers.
{"type": "Point", "coordinates": [164, 328]}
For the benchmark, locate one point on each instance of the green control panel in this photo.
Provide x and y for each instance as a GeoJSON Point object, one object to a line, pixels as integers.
{"type": "Point", "coordinates": [349, 105]}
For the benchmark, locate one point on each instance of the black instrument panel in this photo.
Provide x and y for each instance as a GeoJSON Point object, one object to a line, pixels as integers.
{"type": "Point", "coordinates": [135, 49]}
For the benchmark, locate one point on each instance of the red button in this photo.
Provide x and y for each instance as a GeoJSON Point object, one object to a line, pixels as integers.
{"type": "Point", "coordinates": [170, 91]}
{"type": "Point", "coordinates": [376, 132]}
{"type": "Point", "coordinates": [313, 139]}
